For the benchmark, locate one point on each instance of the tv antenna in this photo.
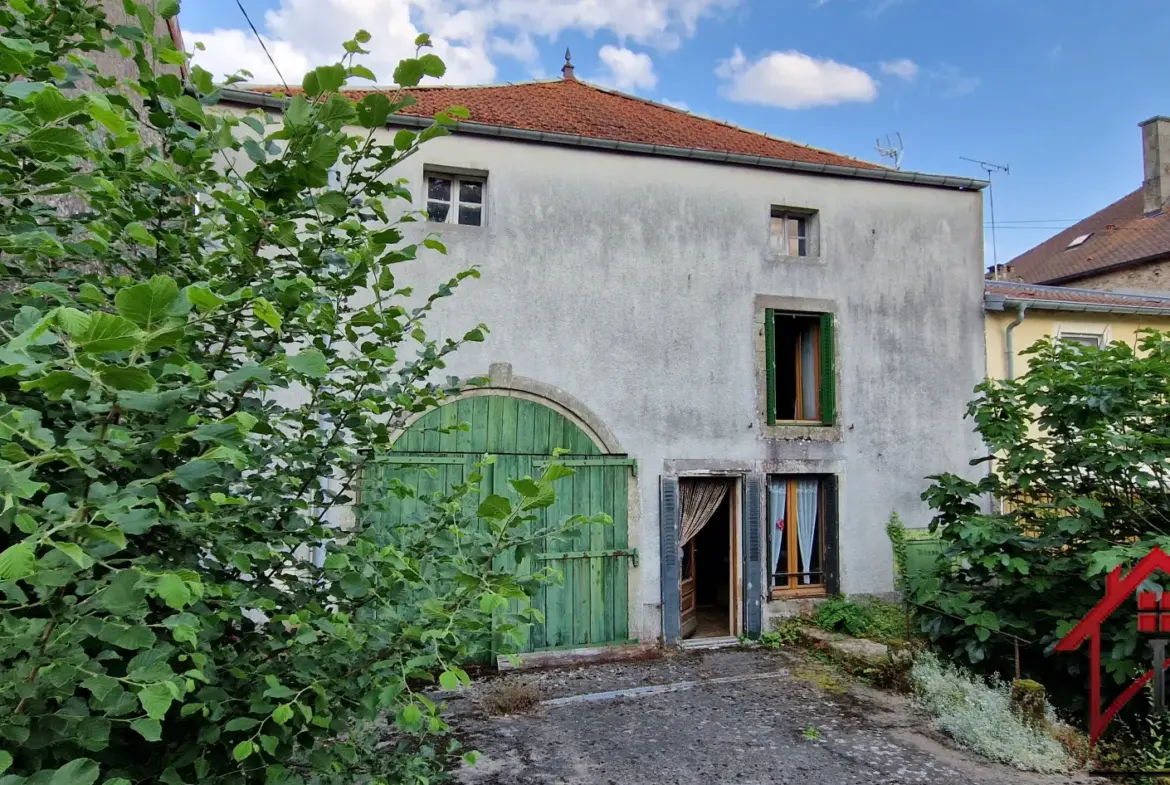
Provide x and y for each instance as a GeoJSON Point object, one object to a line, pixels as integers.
{"type": "Point", "coordinates": [892, 148]}
{"type": "Point", "coordinates": [991, 169]}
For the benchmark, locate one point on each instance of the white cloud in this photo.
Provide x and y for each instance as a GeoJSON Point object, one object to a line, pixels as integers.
{"type": "Point", "coordinates": [627, 70]}
{"type": "Point", "coordinates": [467, 34]}
{"type": "Point", "coordinates": [681, 105]}
{"type": "Point", "coordinates": [904, 69]}
{"type": "Point", "coordinates": [794, 80]}
{"type": "Point", "coordinates": [953, 82]}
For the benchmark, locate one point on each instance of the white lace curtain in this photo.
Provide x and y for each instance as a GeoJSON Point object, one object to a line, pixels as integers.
{"type": "Point", "coordinates": [808, 493]}
{"type": "Point", "coordinates": [700, 499]}
{"type": "Point", "coordinates": [807, 497]}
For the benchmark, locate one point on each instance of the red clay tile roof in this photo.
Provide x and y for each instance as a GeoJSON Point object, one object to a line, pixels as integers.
{"type": "Point", "coordinates": [1134, 237]}
{"type": "Point", "coordinates": [1070, 296]}
{"type": "Point", "coordinates": [570, 106]}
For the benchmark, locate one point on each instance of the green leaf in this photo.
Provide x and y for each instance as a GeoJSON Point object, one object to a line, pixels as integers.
{"type": "Point", "coordinates": [241, 723]}
{"type": "Point", "coordinates": [310, 363]}
{"type": "Point", "coordinates": [333, 203]}
{"type": "Point", "coordinates": [432, 65]}
{"type": "Point", "coordinates": [71, 320]}
{"type": "Point", "coordinates": [74, 552]}
{"type": "Point", "coordinates": [330, 77]}
{"type": "Point", "coordinates": [80, 771]}
{"type": "Point", "coordinates": [138, 233]}
{"type": "Point", "coordinates": [148, 727]}
{"type": "Point", "coordinates": [57, 383]}
{"type": "Point", "coordinates": [173, 590]}
{"type": "Point", "coordinates": [323, 152]}
{"type": "Point", "coordinates": [282, 714]}
{"type": "Point", "coordinates": [101, 110]}
{"type": "Point", "coordinates": [108, 333]}
{"type": "Point", "coordinates": [5, 761]}
{"type": "Point", "coordinates": [188, 108]}
{"type": "Point", "coordinates": [146, 304]}
{"type": "Point", "coordinates": [448, 680]}
{"type": "Point", "coordinates": [270, 744]}
{"type": "Point", "coordinates": [194, 474]}
{"type": "Point", "coordinates": [409, 73]}
{"type": "Point", "coordinates": [298, 113]}
{"type": "Point", "coordinates": [120, 378]}
{"type": "Point", "coordinates": [203, 298]}
{"type": "Point", "coordinates": [123, 596]}
{"type": "Point", "coordinates": [56, 142]}
{"type": "Point", "coordinates": [1091, 506]}
{"type": "Point", "coordinates": [243, 750]}
{"type": "Point", "coordinates": [362, 72]}
{"type": "Point", "coordinates": [156, 699]}
{"type": "Point", "coordinates": [411, 715]}
{"type": "Point", "coordinates": [168, 8]}
{"type": "Point", "coordinates": [265, 312]}
{"type": "Point", "coordinates": [17, 561]}
{"type": "Point", "coordinates": [495, 508]}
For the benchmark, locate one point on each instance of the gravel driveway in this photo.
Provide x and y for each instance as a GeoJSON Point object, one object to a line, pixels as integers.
{"type": "Point", "coordinates": [750, 718]}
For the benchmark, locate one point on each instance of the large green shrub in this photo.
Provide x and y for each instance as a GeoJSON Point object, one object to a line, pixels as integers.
{"type": "Point", "coordinates": [201, 345]}
{"type": "Point", "coordinates": [1079, 484]}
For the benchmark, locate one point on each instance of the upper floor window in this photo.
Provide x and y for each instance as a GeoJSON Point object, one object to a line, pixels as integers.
{"type": "Point", "coordinates": [1096, 340]}
{"type": "Point", "coordinates": [792, 232]}
{"type": "Point", "coordinates": [801, 380]}
{"type": "Point", "coordinates": [455, 199]}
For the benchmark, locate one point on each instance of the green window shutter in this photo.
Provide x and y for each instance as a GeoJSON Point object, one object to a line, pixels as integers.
{"type": "Point", "coordinates": [770, 362]}
{"type": "Point", "coordinates": [828, 372]}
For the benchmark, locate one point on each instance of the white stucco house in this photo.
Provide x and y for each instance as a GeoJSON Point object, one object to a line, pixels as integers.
{"type": "Point", "coordinates": [754, 350]}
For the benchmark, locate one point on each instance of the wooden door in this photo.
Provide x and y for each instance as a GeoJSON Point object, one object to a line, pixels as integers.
{"type": "Point", "coordinates": [589, 606]}
{"type": "Point", "coordinates": [689, 620]}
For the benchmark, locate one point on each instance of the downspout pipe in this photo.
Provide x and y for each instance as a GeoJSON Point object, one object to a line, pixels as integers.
{"type": "Point", "coordinates": [1009, 345]}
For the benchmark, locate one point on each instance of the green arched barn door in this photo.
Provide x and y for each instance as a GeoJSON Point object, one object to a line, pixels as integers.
{"type": "Point", "coordinates": [590, 606]}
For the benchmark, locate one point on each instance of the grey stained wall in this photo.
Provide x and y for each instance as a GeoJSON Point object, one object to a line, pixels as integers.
{"type": "Point", "coordinates": [632, 283]}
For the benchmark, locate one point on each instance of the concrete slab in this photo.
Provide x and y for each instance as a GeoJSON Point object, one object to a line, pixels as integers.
{"type": "Point", "coordinates": [800, 729]}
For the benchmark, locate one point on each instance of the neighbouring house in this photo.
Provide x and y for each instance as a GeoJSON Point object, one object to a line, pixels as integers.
{"type": "Point", "coordinates": [1019, 314]}
{"type": "Point", "coordinates": [1125, 246]}
{"type": "Point", "coordinates": [754, 350]}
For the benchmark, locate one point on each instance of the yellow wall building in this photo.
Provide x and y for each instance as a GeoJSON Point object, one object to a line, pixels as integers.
{"type": "Point", "coordinates": [1018, 315]}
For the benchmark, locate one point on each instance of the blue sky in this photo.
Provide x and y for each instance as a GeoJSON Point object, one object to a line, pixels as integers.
{"type": "Point", "coordinates": [1055, 88]}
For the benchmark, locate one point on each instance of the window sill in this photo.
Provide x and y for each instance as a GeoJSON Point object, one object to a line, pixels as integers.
{"type": "Point", "coordinates": [446, 228]}
{"type": "Point", "coordinates": [802, 431]}
{"type": "Point", "coordinates": [799, 593]}
{"type": "Point", "coordinates": [783, 258]}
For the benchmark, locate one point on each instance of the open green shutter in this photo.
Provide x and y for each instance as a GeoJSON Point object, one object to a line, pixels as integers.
{"type": "Point", "coordinates": [770, 362]}
{"type": "Point", "coordinates": [828, 372]}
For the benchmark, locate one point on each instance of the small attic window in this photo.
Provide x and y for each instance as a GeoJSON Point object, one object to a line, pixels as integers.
{"type": "Point", "coordinates": [1078, 241]}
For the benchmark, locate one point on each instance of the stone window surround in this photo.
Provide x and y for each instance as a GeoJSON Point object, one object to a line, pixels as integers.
{"type": "Point", "coordinates": [763, 303]}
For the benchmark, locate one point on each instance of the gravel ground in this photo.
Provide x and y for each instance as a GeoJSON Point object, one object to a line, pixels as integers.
{"type": "Point", "coordinates": [806, 727]}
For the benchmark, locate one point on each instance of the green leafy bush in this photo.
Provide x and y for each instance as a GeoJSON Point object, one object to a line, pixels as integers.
{"type": "Point", "coordinates": [1080, 446]}
{"type": "Point", "coordinates": [202, 346]}
{"type": "Point", "coordinates": [978, 715]}
{"type": "Point", "coordinates": [866, 617]}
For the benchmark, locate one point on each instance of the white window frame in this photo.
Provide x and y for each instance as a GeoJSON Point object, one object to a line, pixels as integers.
{"type": "Point", "coordinates": [453, 211]}
{"type": "Point", "coordinates": [1074, 333]}
{"type": "Point", "coordinates": [779, 243]}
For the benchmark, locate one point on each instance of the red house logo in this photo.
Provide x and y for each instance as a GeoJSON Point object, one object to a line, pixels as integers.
{"type": "Point", "coordinates": [1153, 617]}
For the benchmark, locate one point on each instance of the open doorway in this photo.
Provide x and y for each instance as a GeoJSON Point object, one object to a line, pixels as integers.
{"type": "Point", "coordinates": [708, 575]}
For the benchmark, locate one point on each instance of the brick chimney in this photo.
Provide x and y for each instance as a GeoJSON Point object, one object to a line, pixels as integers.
{"type": "Point", "coordinates": [1156, 157]}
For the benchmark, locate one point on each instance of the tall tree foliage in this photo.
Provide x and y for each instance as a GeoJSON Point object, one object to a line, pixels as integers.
{"type": "Point", "coordinates": [1079, 464]}
{"type": "Point", "coordinates": [202, 345]}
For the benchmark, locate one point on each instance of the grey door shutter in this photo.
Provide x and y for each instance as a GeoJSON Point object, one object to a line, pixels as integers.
{"type": "Point", "coordinates": [753, 521]}
{"type": "Point", "coordinates": [832, 558]}
{"type": "Point", "coordinates": [670, 513]}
